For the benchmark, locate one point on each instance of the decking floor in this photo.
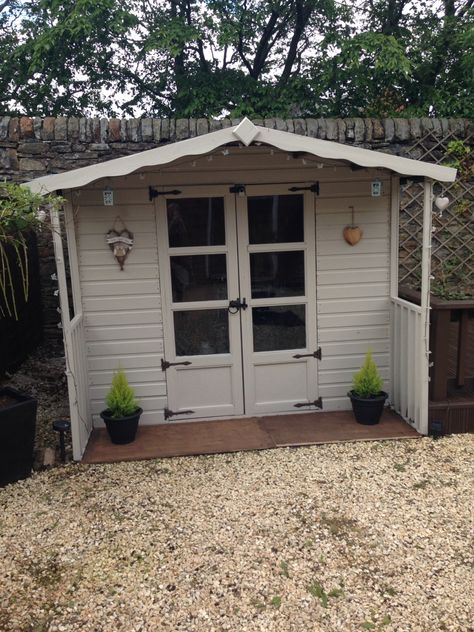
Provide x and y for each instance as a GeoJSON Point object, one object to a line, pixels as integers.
{"type": "Point", "coordinates": [235, 435]}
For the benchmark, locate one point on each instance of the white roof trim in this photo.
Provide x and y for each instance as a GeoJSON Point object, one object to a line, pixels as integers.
{"type": "Point", "coordinates": [247, 132]}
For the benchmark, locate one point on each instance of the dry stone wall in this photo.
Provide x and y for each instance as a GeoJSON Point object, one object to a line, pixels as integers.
{"type": "Point", "coordinates": [33, 147]}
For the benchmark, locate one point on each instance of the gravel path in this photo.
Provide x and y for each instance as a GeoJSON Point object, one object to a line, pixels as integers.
{"type": "Point", "coordinates": [361, 536]}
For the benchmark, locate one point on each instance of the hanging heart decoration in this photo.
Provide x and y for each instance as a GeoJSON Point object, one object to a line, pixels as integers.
{"type": "Point", "coordinates": [120, 243]}
{"type": "Point", "coordinates": [441, 203]}
{"type": "Point", "coordinates": [352, 234]}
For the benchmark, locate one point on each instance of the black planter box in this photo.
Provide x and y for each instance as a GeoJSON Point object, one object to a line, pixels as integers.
{"type": "Point", "coordinates": [124, 429]}
{"type": "Point", "coordinates": [368, 411]}
{"type": "Point", "coordinates": [17, 436]}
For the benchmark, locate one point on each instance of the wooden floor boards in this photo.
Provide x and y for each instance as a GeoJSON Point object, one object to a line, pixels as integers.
{"type": "Point", "coordinates": [235, 435]}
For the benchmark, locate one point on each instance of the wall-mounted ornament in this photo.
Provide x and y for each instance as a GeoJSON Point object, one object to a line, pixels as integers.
{"type": "Point", "coordinates": [108, 196]}
{"type": "Point", "coordinates": [352, 234]}
{"type": "Point", "coordinates": [376, 188]}
{"type": "Point", "coordinates": [120, 241]}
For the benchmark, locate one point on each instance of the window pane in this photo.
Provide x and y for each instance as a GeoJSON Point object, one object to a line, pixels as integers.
{"type": "Point", "coordinates": [196, 222]}
{"type": "Point", "coordinates": [201, 332]}
{"type": "Point", "coordinates": [275, 219]}
{"type": "Point", "coordinates": [281, 327]}
{"type": "Point", "coordinates": [199, 278]}
{"type": "Point", "coordinates": [277, 274]}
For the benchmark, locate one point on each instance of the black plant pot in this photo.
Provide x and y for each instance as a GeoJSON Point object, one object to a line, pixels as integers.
{"type": "Point", "coordinates": [121, 429]}
{"type": "Point", "coordinates": [368, 410]}
{"type": "Point", "coordinates": [17, 435]}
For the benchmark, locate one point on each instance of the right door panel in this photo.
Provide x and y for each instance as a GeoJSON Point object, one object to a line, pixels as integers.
{"type": "Point", "coordinates": [278, 280]}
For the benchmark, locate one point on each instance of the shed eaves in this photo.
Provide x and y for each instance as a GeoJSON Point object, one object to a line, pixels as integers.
{"type": "Point", "coordinates": [247, 133]}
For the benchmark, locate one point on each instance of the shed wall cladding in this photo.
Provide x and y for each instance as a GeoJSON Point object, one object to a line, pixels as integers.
{"type": "Point", "coordinates": [122, 310]}
{"type": "Point", "coordinates": [352, 286]}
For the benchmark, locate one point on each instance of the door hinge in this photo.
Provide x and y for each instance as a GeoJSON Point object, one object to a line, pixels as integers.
{"type": "Point", "coordinates": [153, 193]}
{"type": "Point", "coordinates": [166, 365]}
{"type": "Point", "coordinates": [318, 403]}
{"type": "Point", "coordinates": [314, 188]}
{"type": "Point", "coordinates": [237, 188]}
{"type": "Point", "coordinates": [171, 413]}
{"type": "Point", "coordinates": [316, 354]}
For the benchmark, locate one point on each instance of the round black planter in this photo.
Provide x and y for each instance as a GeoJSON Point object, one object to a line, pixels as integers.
{"type": "Point", "coordinates": [368, 410]}
{"type": "Point", "coordinates": [121, 429]}
{"type": "Point", "coordinates": [17, 436]}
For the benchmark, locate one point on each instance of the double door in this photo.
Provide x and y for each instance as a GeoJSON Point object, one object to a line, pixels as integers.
{"type": "Point", "coordinates": [238, 287]}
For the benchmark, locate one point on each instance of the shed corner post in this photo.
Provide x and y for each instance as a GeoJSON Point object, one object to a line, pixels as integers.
{"type": "Point", "coordinates": [424, 351]}
{"type": "Point", "coordinates": [66, 327]}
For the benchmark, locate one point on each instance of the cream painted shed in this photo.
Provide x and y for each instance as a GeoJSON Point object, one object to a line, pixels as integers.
{"type": "Point", "coordinates": [240, 296]}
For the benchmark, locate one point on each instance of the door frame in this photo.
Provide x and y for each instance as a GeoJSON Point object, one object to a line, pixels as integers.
{"type": "Point", "coordinates": [235, 216]}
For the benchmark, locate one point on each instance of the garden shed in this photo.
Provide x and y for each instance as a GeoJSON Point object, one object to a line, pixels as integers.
{"type": "Point", "coordinates": [241, 273]}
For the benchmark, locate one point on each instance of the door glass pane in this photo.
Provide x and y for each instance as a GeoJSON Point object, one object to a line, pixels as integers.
{"type": "Point", "coordinates": [199, 278]}
{"type": "Point", "coordinates": [275, 219]}
{"type": "Point", "coordinates": [201, 332]}
{"type": "Point", "coordinates": [196, 222]}
{"type": "Point", "coordinates": [277, 274]}
{"type": "Point", "coordinates": [279, 327]}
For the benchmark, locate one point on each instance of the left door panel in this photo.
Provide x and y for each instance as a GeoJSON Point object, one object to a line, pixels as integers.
{"type": "Point", "coordinates": [199, 276]}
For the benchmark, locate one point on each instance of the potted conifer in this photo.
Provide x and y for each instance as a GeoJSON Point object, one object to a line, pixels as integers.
{"type": "Point", "coordinates": [123, 412]}
{"type": "Point", "coordinates": [367, 397]}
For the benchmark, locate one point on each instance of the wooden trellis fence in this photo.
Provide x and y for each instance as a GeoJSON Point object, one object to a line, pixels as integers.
{"type": "Point", "coordinates": [453, 236]}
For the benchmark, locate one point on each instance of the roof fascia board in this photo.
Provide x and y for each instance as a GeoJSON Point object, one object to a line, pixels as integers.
{"type": "Point", "coordinates": [286, 141]}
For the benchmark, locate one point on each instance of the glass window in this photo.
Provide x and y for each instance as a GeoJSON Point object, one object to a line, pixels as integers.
{"type": "Point", "coordinates": [275, 219]}
{"type": "Point", "coordinates": [201, 332]}
{"type": "Point", "coordinates": [196, 222]}
{"type": "Point", "coordinates": [199, 278]}
{"type": "Point", "coordinates": [279, 327]}
{"type": "Point", "coordinates": [277, 274]}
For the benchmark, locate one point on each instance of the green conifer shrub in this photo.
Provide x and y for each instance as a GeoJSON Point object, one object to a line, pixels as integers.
{"type": "Point", "coordinates": [367, 382]}
{"type": "Point", "coordinates": [121, 399]}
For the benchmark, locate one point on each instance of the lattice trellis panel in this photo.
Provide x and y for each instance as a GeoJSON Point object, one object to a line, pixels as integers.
{"type": "Point", "coordinates": [453, 237]}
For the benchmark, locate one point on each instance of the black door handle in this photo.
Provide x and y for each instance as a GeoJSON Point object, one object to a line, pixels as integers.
{"type": "Point", "coordinates": [236, 305]}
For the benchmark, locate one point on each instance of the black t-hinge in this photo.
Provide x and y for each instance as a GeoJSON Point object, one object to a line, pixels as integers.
{"type": "Point", "coordinates": [318, 403]}
{"type": "Point", "coordinates": [153, 193]}
{"type": "Point", "coordinates": [314, 188]}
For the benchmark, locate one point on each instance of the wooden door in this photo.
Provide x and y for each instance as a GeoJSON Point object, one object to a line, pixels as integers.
{"type": "Point", "coordinates": [199, 273]}
{"type": "Point", "coordinates": [258, 356]}
{"type": "Point", "coordinates": [278, 278]}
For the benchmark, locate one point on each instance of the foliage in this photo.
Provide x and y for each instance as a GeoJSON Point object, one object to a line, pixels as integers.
{"type": "Point", "coordinates": [121, 399]}
{"type": "Point", "coordinates": [20, 211]}
{"type": "Point", "coordinates": [260, 58]}
{"type": "Point", "coordinates": [367, 382]}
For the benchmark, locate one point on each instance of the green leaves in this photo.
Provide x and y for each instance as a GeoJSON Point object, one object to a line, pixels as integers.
{"type": "Point", "coordinates": [368, 381]}
{"type": "Point", "coordinates": [120, 399]}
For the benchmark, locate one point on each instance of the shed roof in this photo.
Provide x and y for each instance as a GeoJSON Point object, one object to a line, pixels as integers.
{"type": "Point", "coordinates": [247, 133]}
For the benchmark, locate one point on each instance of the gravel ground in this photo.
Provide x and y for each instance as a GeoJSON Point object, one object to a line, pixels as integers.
{"type": "Point", "coordinates": [356, 536]}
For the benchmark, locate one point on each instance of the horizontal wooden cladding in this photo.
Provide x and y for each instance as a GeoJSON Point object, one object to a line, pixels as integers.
{"type": "Point", "coordinates": [327, 378]}
{"type": "Point", "coordinates": [98, 241]}
{"type": "Point", "coordinates": [122, 198]}
{"type": "Point", "coordinates": [363, 333]}
{"type": "Point", "coordinates": [341, 247]}
{"type": "Point", "coordinates": [354, 319]}
{"type": "Point", "coordinates": [343, 277]}
{"type": "Point", "coordinates": [356, 346]}
{"type": "Point", "coordinates": [101, 216]}
{"type": "Point", "coordinates": [369, 231]}
{"type": "Point", "coordinates": [104, 256]}
{"type": "Point", "coordinates": [351, 262]}
{"type": "Point", "coordinates": [354, 362]}
{"type": "Point", "coordinates": [136, 376]}
{"type": "Point", "coordinates": [112, 272]}
{"type": "Point", "coordinates": [122, 303]}
{"type": "Point", "coordinates": [124, 347]}
{"type": "Point", "coordinates": [346, 306]}
{"type": "Point", "coordinates": [149, 404]}
{"type": "Point", "coordinates": [146, 389]}
{"type": "Point", "coordinates": [127, 362]}
{"type": "Point", "coordinates": [126, 332]}
{"type": "Point", "coordinates": [336, 212]}
{"type": "Point", "coordinates": [123, 317]}
{"type": "Point", "coordinates": [119, 288]}
{"type": "Point", "coordinates": [354, 290]}
{"type": "Point", "coordinates": [340, 390]}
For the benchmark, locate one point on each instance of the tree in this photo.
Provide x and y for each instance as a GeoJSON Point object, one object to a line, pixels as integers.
{"type": "Point", "coordinates": [260, 58]}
